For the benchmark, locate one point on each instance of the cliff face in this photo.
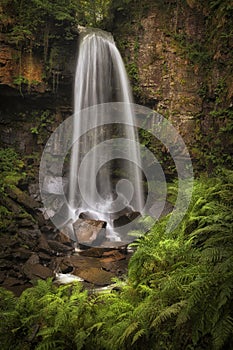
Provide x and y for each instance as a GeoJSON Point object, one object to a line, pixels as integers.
{"type": "Point", "coordinates": [179, 59]}
{"type": "Point", "coordinates": [35, 93]}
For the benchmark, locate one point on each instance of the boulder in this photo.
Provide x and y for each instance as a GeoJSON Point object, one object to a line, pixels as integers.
{"type": "Point", "coordinates": [32, 269]}
{"type": "Point", "coordinates": [22, 198]}
{"type": "Point", "coordinates": [90, 232]}
{"type": "Point", "coordinates": [94, 275]}
{"type": "Point", "coordinates": [84, 262]}
{"type": "Point", "coordinates": [62, 237]}
{"type": "Point", "coordinates": [43, 245]}
{"type": "Point", "coordinates": [59, 247]}
{"type": "Point", "coordinates": [125, 218]}
{"type": "Point", "coordinates": [12, 281]}
{"type": "Point", "coordinates": [111, 256]}
{"type": "Point", "coordinates": [21, 253]}
{"type": "Point", "coordinates": [118, 268]}
{"type": "Point", "coordinates": [96, 252]}
{"type": "Point", "coordinates": [37, 271]}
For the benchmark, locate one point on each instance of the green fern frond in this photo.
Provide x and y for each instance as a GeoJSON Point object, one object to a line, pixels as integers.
{"type": "Point", "coordinates": [222, 331]}
{"type": "Point", "coordinates": [128, 332]}
{"type": "Point", "coordinates": [168, 313]}
{"type": "Point", "coordinates": [50, 345]}
{"type": "Point", "coordinates": [138, 335]}
{"type": "Point", "coordinates": [213, 254]}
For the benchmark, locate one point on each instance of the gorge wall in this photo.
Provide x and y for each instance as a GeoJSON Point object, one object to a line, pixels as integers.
{"type": "Point", "coordinates": [178, 55]}
{"type": "Point", "coordinates": [179, 59]}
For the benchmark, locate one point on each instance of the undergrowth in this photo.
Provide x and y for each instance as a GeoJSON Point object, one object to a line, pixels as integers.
{"type": "Point", "coordinates": [178, 293]}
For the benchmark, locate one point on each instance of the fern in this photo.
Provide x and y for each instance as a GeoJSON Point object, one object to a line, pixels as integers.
{"type": "Point", "coordinates": [178, 293]}
{"type": "Point", "coordinates": [168, 313]}
{"type": "Point", "coordinates": [138, 335]}
{"type": "Point", "coordinates": [222, 331]}
{"type": "Point", "coordinates": [129, 331]}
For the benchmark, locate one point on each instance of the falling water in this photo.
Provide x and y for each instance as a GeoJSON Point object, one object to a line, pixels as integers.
{"type": "Point", "coordinates": [101, 78]}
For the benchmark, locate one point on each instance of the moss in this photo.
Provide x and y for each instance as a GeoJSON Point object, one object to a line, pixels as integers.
{"type": "Point", "coordinates": [5, 218]}
{"type": "Point", "coordinates": [11, 169]}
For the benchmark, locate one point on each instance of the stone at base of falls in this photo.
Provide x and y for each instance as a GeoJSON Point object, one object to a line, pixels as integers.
{"type": "Point", "coordinates": [95, 270]}
{"type": "Point", "coordinates": [96, 252]}
{"type": "Point", "coordinates": [126, 218]}
{"type": "Point", "coordinates": [63, 238]}
{"type": "Point", "coordinates": [34, 270]}
{"type": "Point", "coordinates": [90, 232]}
{"type": "Point", "coordinates": [96, 276]}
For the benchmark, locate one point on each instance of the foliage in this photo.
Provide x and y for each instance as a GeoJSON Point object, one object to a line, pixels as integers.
{"type": "Point", "coordinates": [12, 171]}
{"type": "Point", "coordinates": [43, 121]}
{"type": "Point", "coordinates": [11, 167]}
{"type": "Point", "coordinates": [92, 12]}
{"type": "Point", "coordinates": [44, 27]}
{"type": "Point", "coordinates": [214, 145]}
{"type": "Point", "coordinates": [194, 50]}
{"type": "Point", "coordinates": [38, 21]}
{"type": "Point", "coordinates": [178, 295]}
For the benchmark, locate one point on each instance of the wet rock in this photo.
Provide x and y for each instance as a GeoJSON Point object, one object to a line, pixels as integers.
{"type": "Point", "coordinates": [44, 256]}
{"type": "Point", "coordinates": [49, 231]}
{"type": "Point", "coordinates": [118, 268]}
{"type": "Point", "coordinates": [27, 238]}
{"type": "Point", "coordinates": [96, 252]}
{"type": "Point", "coordinates": [22, 253]}
{"type": "Point", "coordinates": [53, 184]}
{"type": "Point", "coordinates": [10, 205]}
{"type": "Point", "coordinates": [68, 264]}
{"type": "Point", "coordinates": [59, 247]}
{"type": "Point", "coordinates": [63, 238]}
{"type": "Point", "coordinates": [94, 275]}
{"type": "Point", "coordinates": [34, 270]}
{"type": "Point", "coordinates": [84, 262]}
{"type": "Point", "coordinates": [34, 259]}
{"type": "Point", "coordinates": [125, 218]}
{"type": "Point", "coordinates": [37, 271]}
{"type": "Point", "coordinates": [43, 245]}
{"type": "Point", "coordinates": [90, 232]}
{"type": "Point", "coordinates": [5, 255]}
{"type": "Point", "coordinates": [113, 255]}
{"type": "Point", "coordinates": [34, 191]}
{"type": "Point", "coordinates": [86, 215]}
{"type": "Point", "coordinates": [5, 265]}
{"type": "Point", "coordinates": [12, 281]}
{"type": "Point", "coordinates": [110, 245]}
{"type": "Point", "coordinates": [22, 198]}
{"type": "Point", "coordinates": [26, 223]}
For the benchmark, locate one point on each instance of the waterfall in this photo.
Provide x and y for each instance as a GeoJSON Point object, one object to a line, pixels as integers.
{"type": "Point", "coordinates": [101, 79]}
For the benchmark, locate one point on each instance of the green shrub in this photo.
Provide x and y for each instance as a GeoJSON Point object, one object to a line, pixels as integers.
{"type": "Point", "coordinates": [178, 295]}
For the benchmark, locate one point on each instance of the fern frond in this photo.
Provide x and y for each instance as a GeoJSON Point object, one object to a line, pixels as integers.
{"type": "Point", "coordinates": [168, 313]}
{"type": "Point", "coordinates": [50, 345]}
{"type": "Point", "coordinates": [128, 332]}
{"type": "Point", "coordinates": [222, 331]}
{"type": "Point", "coordinates": [138, 335]}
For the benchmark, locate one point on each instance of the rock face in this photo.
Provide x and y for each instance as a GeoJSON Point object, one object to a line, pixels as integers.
{"type": "Point", "coordinates": [171, 68]}
{"type": "Point", "coordinates": [176, 66]}
{"type": "Point", "coordinates": [35, 98]}
{"type": "Point", "coordinates": [167, 81]}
